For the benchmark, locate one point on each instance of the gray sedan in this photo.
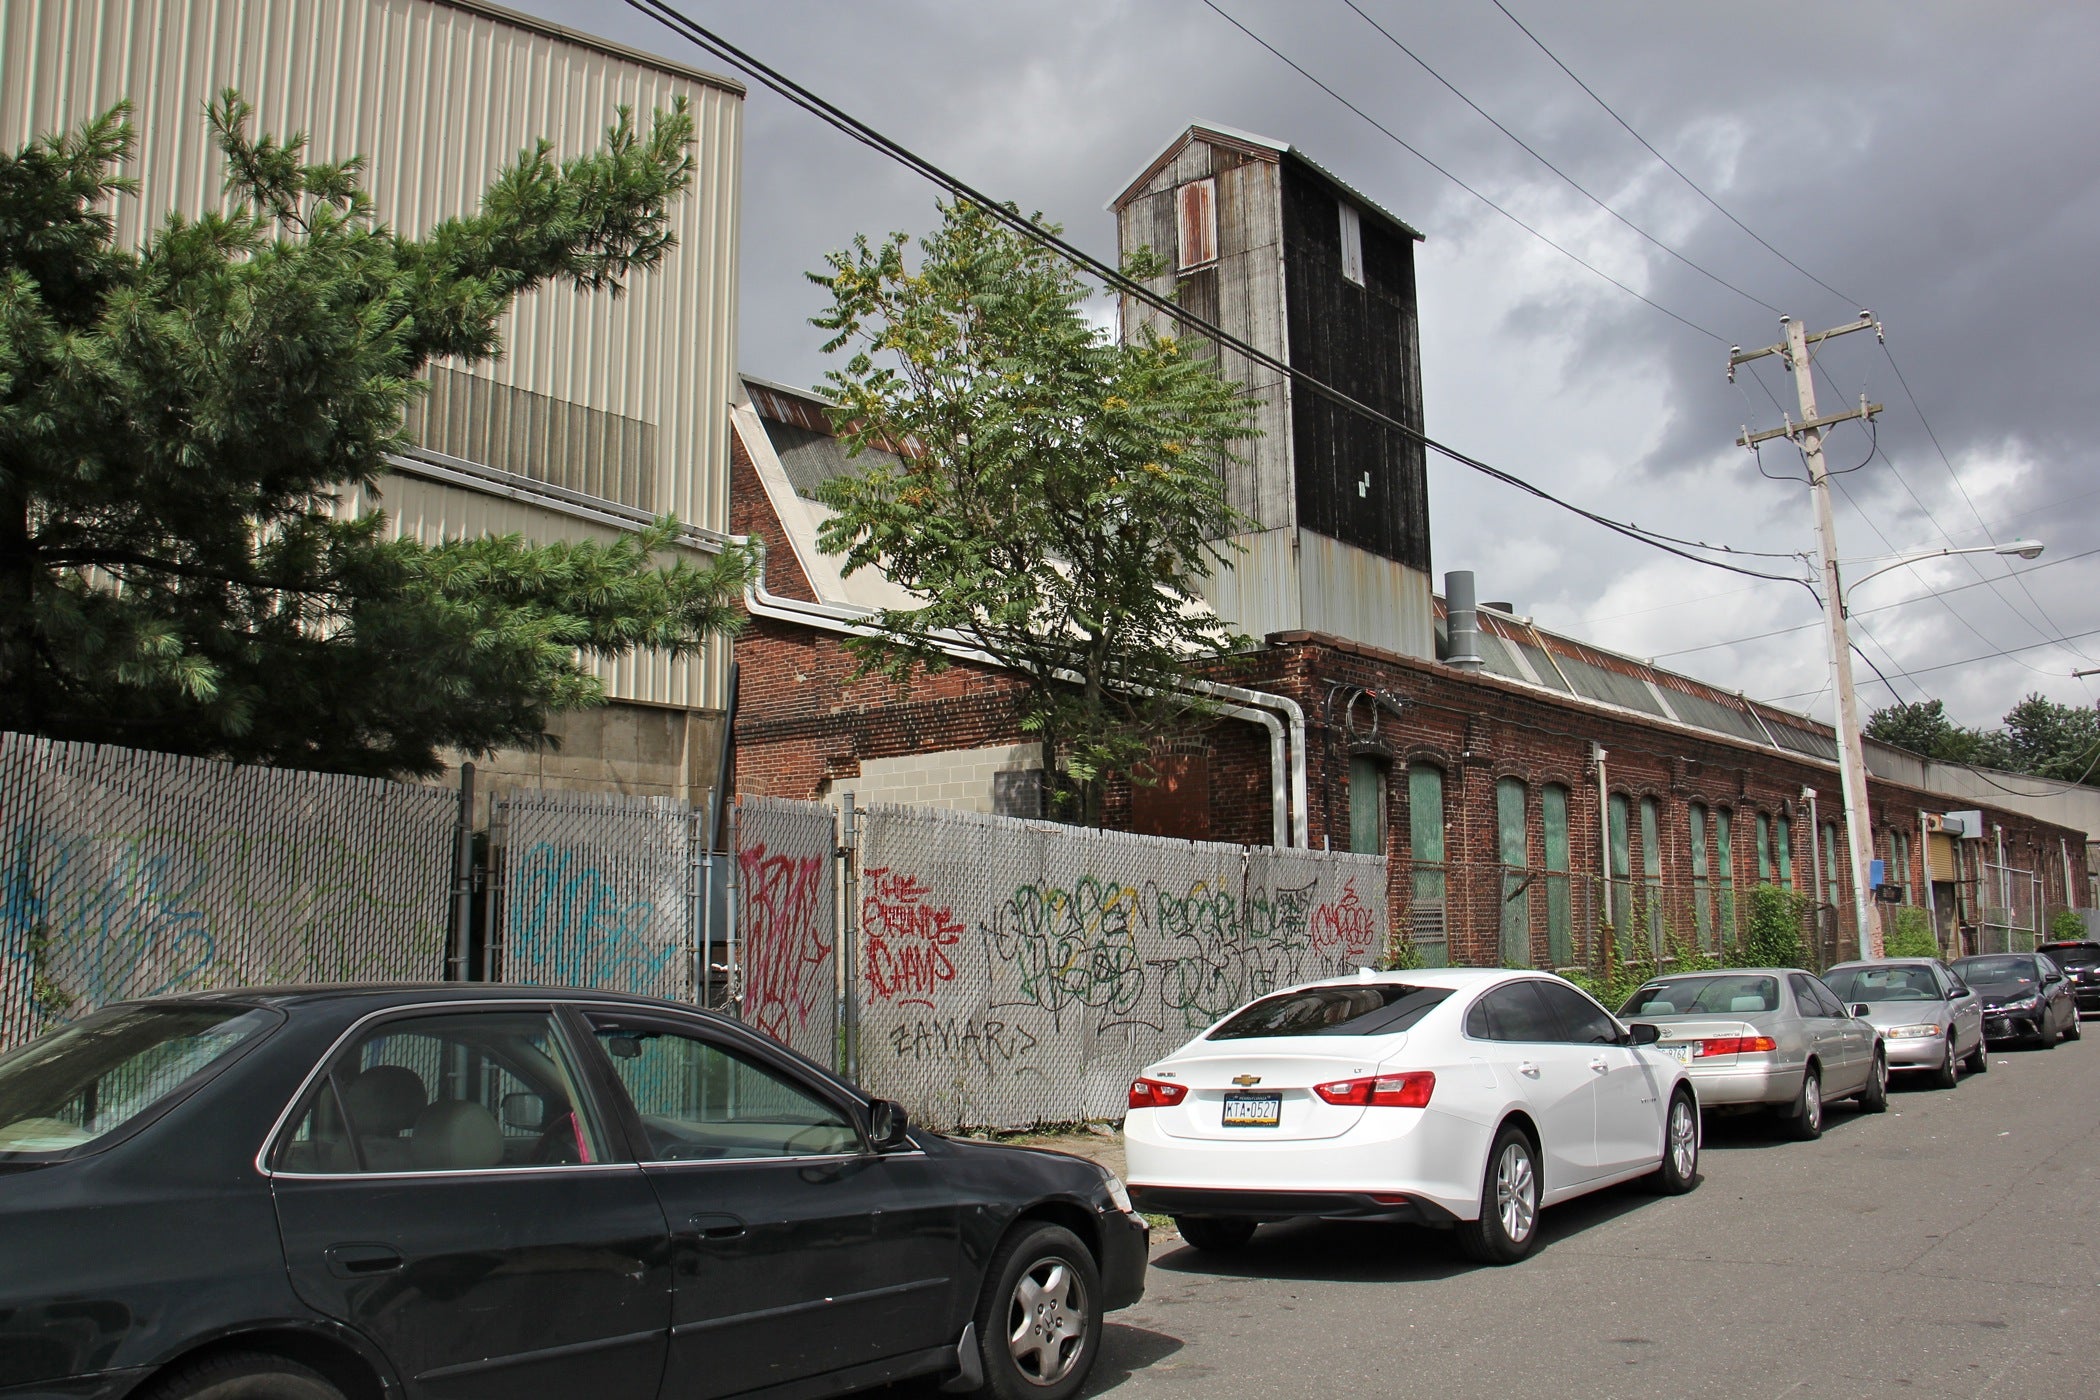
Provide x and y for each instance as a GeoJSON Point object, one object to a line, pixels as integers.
{"type": "Point", "coordinates": [1766, 1037]}
{"type": "Point", "coordinates": [1930, 1020]}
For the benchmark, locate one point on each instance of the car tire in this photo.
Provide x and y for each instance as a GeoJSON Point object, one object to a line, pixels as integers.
{"type": "Point", "coordinates": [2045, 1036]}
{"type": "Point", "coordinates": [1214, 1234]}
{"type": "Point", "coordinates": [1679, 1171]}
{"type": "Point", "coordinates": [1949, 1073]}
{"type": "Point", "coordinates": [2074, 1031]}
{"type": "Point", "coordinates": [1039, 1317]}
{"type": "Point", "coordinates": [1508, 1227]}
{"type": "Point", "coordinates": [242, 1375]}
{"type": "Point", "coordinates": [1804, 1121]}
{"type": "Point", "coordinates": [1875, 1097]}
{"type": "Point", "coordinates": [1979, 1061]}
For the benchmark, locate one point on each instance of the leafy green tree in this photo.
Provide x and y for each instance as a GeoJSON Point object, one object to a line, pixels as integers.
{"type": "Point", "coordinates": [1057, 499]}
{"type": "Point", "coordinates": [183, 425]}
{"type": "Point", "coordinates": [1924, 729]}
{"type": "Point", "coordinates": [2052, 740]}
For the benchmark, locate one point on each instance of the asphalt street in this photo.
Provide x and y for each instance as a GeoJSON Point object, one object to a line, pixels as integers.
{"type": "Point", "coordinates": [1949, 1247]}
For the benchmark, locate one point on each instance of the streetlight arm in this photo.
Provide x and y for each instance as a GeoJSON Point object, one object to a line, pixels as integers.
{"type": "Point", "coordinates": [2025, 549]}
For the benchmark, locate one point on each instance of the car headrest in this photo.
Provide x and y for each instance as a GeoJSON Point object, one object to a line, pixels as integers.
{"type": "Point", "coordinates": [1749, 1003]}
{"type": "Point", "coordinates": [453, 1135]}
{"type": "Point", "coordinates": [384, 1100]}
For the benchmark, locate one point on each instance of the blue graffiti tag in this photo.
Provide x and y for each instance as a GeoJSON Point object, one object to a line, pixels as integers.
{"type": "Point", "coordinates": [571, 926]}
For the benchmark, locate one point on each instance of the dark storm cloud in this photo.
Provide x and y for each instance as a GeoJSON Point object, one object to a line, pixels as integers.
{"type": "Point", "coordinates": [1935, 161]}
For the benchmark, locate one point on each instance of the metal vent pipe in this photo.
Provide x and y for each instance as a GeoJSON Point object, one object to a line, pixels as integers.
{"type": "Point", "coordinates": [1464, 621]}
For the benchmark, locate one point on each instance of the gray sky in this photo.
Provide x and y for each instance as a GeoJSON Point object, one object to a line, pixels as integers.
{"type": "Point", "coordinates": [1935, 161]}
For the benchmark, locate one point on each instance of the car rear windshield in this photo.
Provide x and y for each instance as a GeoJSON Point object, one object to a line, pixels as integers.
{"type": "Point", "coordinates": [78, 1086]}
{"type": "Point", "coordinates": [1726, 995]}
{"type": "Point", "coordinates": [2004, 970]}
{"type": "Point", "coordinates": [2073, 954]}
{"type": "Point", "coordinates": [1870, 984]}
{"type": "Point", "coordinates": [1371, 1008]}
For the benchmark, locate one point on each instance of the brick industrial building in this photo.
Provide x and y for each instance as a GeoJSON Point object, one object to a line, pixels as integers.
{"type": "Point", "coordinates": [1532, 791]}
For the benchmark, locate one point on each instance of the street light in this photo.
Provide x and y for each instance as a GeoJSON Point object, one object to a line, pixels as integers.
{"type": "Point", "coordinates": [1852, 765]}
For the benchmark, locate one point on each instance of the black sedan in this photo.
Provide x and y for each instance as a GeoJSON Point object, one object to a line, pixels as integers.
{"type": "Point", "coordinates": [467, 1191]}
{"type": "Point", "coordinates": [2025, 996]}
{"type": "Point", "coordinates": [2080, 960]}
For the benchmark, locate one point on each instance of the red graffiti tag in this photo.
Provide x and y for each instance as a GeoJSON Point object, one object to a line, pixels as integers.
{"type": "Point", "coordinates": [785, 950]}
{"type": "Point", "coordinates": [1343, 926]}
{"type": "Point", "coordinates": [907, 938]}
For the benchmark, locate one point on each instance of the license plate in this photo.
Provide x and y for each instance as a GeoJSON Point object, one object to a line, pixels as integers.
{"type": "Point", "coordinates": [1680, 1053]}
{"type": "Point", "coordinates": [1253, 1110]}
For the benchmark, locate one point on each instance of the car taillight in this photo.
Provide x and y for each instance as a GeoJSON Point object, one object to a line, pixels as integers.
{"type": "Point", "coordinates": [1156, 1093]}
{"type": "Point", "coordinates": [1735, 1045]}
{"type": "Point", "coordinates": [1411, 1090]}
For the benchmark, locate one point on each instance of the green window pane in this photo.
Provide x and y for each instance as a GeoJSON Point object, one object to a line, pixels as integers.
{"type": "Point", "coordinates": [1367, 804]}
{"type": "Point", "coordinates": [1651, 871]}
{"type": "Point", "coordinates": [1764, 849]}
{"type": "Point", "coordinates": [1560, 928]}
{"type": "Point", "coordinates": [1724, 873]}
{"type": "Point", "coordinates": [1702, 879]}
{"type": "Point", "coordinates": [1785, 843]}
{"type": "Point", "coordinates": [1425, 834]}
{"type": "Point", "coordinates": [1621, 865]}
{"type": "Point", "coordinates": [1516, 884]}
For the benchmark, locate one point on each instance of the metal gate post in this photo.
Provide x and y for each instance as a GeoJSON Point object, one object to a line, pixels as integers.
{"type": "Point", "coordinates": [849, 930]}
{"type": "Point", "coordinates": [732, 934]}
{"type": "Point", "coordinates": [463, 877]}
{"type": "Point", "coordinates": [700, 896]}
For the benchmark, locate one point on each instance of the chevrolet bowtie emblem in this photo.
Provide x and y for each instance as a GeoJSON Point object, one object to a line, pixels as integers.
{"type": "Point", "coordinates": [1246, 1079]}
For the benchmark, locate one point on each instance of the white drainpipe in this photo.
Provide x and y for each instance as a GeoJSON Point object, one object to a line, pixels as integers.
{"type": "Point", "coordinates": [1288, 801]}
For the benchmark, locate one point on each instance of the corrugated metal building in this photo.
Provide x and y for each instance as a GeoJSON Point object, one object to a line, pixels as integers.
{"type": "Point", "coordinates": [603, 411]}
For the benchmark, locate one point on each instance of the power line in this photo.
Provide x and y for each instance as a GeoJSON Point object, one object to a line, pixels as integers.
{"type": "Point", "coordinates": [1403, 144]}
{"type": "Point", "coordinates": [1858, 612]}
{"type": "Point", "coordinates": [837, 117]}
{"type": "Point", "coordinates": [1708, 273]}
{"type": "Point", "coordinates": [1696, 188]}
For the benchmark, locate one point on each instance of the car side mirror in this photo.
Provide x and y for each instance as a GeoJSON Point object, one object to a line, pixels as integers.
{"type": "Point", "coordinates": [1642, 1033]}
{"type": "Point", "coordinates": [889, 1126]}
{"type": "Point", "coordinates": [1861, 1010]}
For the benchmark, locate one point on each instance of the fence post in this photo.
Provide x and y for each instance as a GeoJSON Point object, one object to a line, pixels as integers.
{"type": "Point", "coordinates": [463, 885]}
{"type": "Point", "coordinates": [849, 929]}
{"type": "Point", "coordinates": [732, 941]}
{"type": "Point", "coordinates": [700, 896]}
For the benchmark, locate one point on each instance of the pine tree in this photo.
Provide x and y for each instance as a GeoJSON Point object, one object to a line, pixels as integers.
{"type": "Point", "coordinates": [181, 424]}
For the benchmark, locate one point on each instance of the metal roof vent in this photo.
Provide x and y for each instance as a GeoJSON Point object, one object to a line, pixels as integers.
{"type": "Point", "coordinates": [1464, 621]}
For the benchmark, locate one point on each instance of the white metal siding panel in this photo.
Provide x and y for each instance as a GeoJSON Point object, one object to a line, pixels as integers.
{"type": "Point", "coordinates": [437, 98]}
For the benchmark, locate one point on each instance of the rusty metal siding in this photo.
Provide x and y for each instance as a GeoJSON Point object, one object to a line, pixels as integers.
{"type": "Point", "coordinates": [1196, 223]}
{"type": "Point", "coordinates": [1357, 482]}
{"type": "Point", "coordinates": [438, 95]}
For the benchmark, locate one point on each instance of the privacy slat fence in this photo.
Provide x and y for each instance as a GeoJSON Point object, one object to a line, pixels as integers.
{"type": "Point", "coordinates": [127, 874]}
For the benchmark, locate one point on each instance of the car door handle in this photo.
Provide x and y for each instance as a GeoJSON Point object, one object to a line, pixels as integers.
{"type": "Point", "coordinates": [717, 1226]}
{"type": "Point", "coordinates": [1601, 1065]}
{"type": "Point", "coordinates": [1528, 1069]}
{"type": "Point", "coordinates": [360, 1260]}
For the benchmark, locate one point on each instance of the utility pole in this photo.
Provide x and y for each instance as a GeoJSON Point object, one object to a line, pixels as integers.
{"type": "Point", "coordinates": [1808, 436]}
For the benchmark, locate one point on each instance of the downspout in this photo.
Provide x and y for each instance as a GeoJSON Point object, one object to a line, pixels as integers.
{"type": "Point", "coordinates": [1290, 821]}
{"type": "Point", "coordinates": [1932, 906]}
{"type": "Point", "coordinates": [1815, 848]}
{"type": "Point", "coordinates": [2063, 855]}
{"type": "Point", "coordinates": [1598, 754]}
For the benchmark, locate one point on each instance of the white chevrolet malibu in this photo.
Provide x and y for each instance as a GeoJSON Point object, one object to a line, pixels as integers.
{"type": "Point", "coordinates": [1467, 1098]}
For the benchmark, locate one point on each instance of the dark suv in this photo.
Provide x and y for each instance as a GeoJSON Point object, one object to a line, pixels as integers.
{"type": "Point", "coordinates": [474, 1191]}
{"type": "Point", "coordinates": [2080, 960]}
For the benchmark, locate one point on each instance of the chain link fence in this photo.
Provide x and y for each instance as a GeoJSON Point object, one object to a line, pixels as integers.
{"type": "Point", "coordinates": [128, 874]}
{"type": "Point", "coordinates": [2010, 901]}
{"type": "Point", "coordinates": [591, 891]}
{"type": "Point", "coordinates": [1013, 972]}
{"type": "Point", "coordinates": [788, 981]}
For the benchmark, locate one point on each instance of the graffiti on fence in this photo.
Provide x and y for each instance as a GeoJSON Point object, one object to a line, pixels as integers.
{"type": "Point", "coordinates": [991, 1044]}
{"type": "Point", "coordinates": [1344, 927]}
{"type": "Point", "coordinates": [572, 925]}
{"type": "Point", "coordinates": [787, 964]}
{"type": "Point", "coordinates": [907, 936]}
{"type": "Point", "coordinates": [1073, 947]}
{"type": "Point", "coordinates": [1224, 949]}
{"type": "Point", "coordinates": [87, 918]}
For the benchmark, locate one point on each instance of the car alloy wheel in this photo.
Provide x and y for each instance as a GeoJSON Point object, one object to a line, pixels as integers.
{"type": "Point", "coordinates": [1517, 1192]}
{"type": "Point", "coordinates": [1979, 1061]}
{"type": "Point", "coordinates": [1507, 1227]}
{"type": "Point", "coordinates": [1679, 1171]}
{"type": "Point", "coordinates": [1875, 1097]}
{"type": "Point", "coordinates": [1949, 1072]}
{"type": "Point", "coordinates": [1806, 1121]}
{"type": "Point", "coordinates": [1037, 1320]}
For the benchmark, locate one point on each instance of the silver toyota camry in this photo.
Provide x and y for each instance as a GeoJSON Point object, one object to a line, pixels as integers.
{"type": "Point", "coordinates": [1766, 1037]}
{"type": "Point", "coordinates": [1930, 1020]}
